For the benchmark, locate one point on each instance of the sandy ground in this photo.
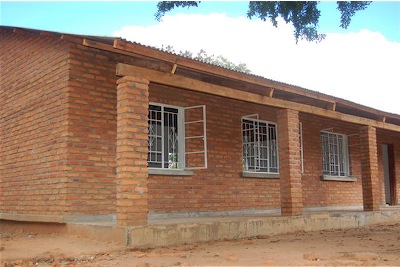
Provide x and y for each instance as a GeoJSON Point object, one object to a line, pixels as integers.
{"type": "Point", "coordinates": [367, 246]}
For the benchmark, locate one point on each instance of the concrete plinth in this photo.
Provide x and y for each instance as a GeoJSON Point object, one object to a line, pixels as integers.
{"type": "Point", "coordinates": [178, 231]}
{"type": "Point", "coordinates": [247, 227]}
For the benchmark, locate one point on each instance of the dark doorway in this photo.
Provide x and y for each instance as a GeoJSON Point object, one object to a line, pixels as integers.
{"type": "Point", "coordinates": [389, 174]}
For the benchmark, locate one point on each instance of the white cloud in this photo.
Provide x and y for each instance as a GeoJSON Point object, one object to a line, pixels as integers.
{"type": "Point", "coordinates": [361, 67]}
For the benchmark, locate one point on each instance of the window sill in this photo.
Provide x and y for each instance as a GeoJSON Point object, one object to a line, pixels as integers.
{"type": "Point", "coordinates": [338, 178]}
{"type": "Point", "coordinates": [260, 175]}
{"type": "Point", "coordinates": [170, 172]}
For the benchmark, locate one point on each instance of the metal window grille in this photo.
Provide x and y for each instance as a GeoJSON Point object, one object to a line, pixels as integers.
{"type": "Point", "coordinates": [165, 130]}
{"type": "Point", "coordinates": [335, 154]}
{"type": "Point", "coordinates": [260, 151]}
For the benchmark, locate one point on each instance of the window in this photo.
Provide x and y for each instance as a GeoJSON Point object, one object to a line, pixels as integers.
{"type": "Point", "coordinates": [165, 137]}
{"type": "Point", "coordinates": [260, 151]}
{"type": "Point", "coordinates": [335, 154]}
{"type": "Point", "coordinates": [177, 139]}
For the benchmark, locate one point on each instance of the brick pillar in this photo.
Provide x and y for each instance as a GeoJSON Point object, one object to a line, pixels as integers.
{"type": "Point", "coordinates": [132, 135]}
{"type": "Point", "coordinates": [290, 162]}
{"type": "Point", "coordinates": [369, 168]}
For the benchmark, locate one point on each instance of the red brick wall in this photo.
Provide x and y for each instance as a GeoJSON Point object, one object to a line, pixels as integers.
{"type": "Point", "coordinates": [318, 193]}
{"type": "Point", "coordinates": [132, 139]}
{"type": "Point", "coordinates": [290, 162]}
{"type": "Point", "coordinates": [59, 127]}
{"type": "Point", "coordinates": [220, 187]}
{"type": "Point", "coordinates": [33, 123]}
{"type": "Point", "coordinates": [92, 132]}
{"type": "Point", "coordinates": [93, 122]}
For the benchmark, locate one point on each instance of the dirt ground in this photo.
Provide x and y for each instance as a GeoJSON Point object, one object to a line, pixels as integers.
{"type": "Point", "coordinates": [365, 246]}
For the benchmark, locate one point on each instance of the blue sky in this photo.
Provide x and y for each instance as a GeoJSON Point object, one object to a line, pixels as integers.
{"type": "Point", "coordinates": [102, 18]}
{"type": "Point", "coordinates": [360, 64]}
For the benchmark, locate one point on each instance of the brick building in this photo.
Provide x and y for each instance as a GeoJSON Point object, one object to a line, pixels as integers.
{"type": "Point", "coordinates": [96, 127]}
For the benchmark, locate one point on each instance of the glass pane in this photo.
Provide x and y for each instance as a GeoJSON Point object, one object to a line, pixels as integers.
{"type": "Point", "coordinates": [163, 137]}
{"type": "Point", "coordinates": [334, 156]}
{"type": "Point", "coordinates": [259, 146]}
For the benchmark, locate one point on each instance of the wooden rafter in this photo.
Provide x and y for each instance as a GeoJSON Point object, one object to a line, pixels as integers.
{"type": "Point", "coordinates": [332, 106]}
{"type": "Point", "coordinates": [174, 68]}
{"type": "Point", "coordinates": [271, 92]}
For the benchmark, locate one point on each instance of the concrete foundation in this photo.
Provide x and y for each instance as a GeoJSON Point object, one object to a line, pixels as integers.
{"type": "Point", "coordinates": [162, 232]}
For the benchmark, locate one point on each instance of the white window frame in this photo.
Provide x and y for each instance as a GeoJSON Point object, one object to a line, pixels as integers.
{"type": "Point", "coordinates": [202, 135]}
{"type": "Point", "coordinates": [180, 163]}
{"type": "Point", "coordinates": [335, 161]}
{"type": "Point", "coordinates": [179, 167]}
{"type": "Point", "coordinates": [257, 146]}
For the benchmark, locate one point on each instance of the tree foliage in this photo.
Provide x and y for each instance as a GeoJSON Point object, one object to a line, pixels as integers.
{"type": "Point", "coordinates": [211, 59]}
{"type": "Point", "coordinates": [165, 6]}
{"type": "Point", "coordinates": [304, 15]}
{"type": "Point", "coordinates": [348, 9]}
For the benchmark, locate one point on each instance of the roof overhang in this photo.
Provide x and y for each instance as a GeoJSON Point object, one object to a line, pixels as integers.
{"type": "Point", "coordinates": [171, 79]}
{"type": "Point", "coordinates": [170, 69]}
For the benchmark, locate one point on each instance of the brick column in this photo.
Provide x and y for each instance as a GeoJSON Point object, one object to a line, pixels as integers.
{"type": "Point", "coordinates": [369, 168]}
{"type": "Point", "coordinates": [290, 162]}
{"type": "Point", "coordinates": [132, 135]}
